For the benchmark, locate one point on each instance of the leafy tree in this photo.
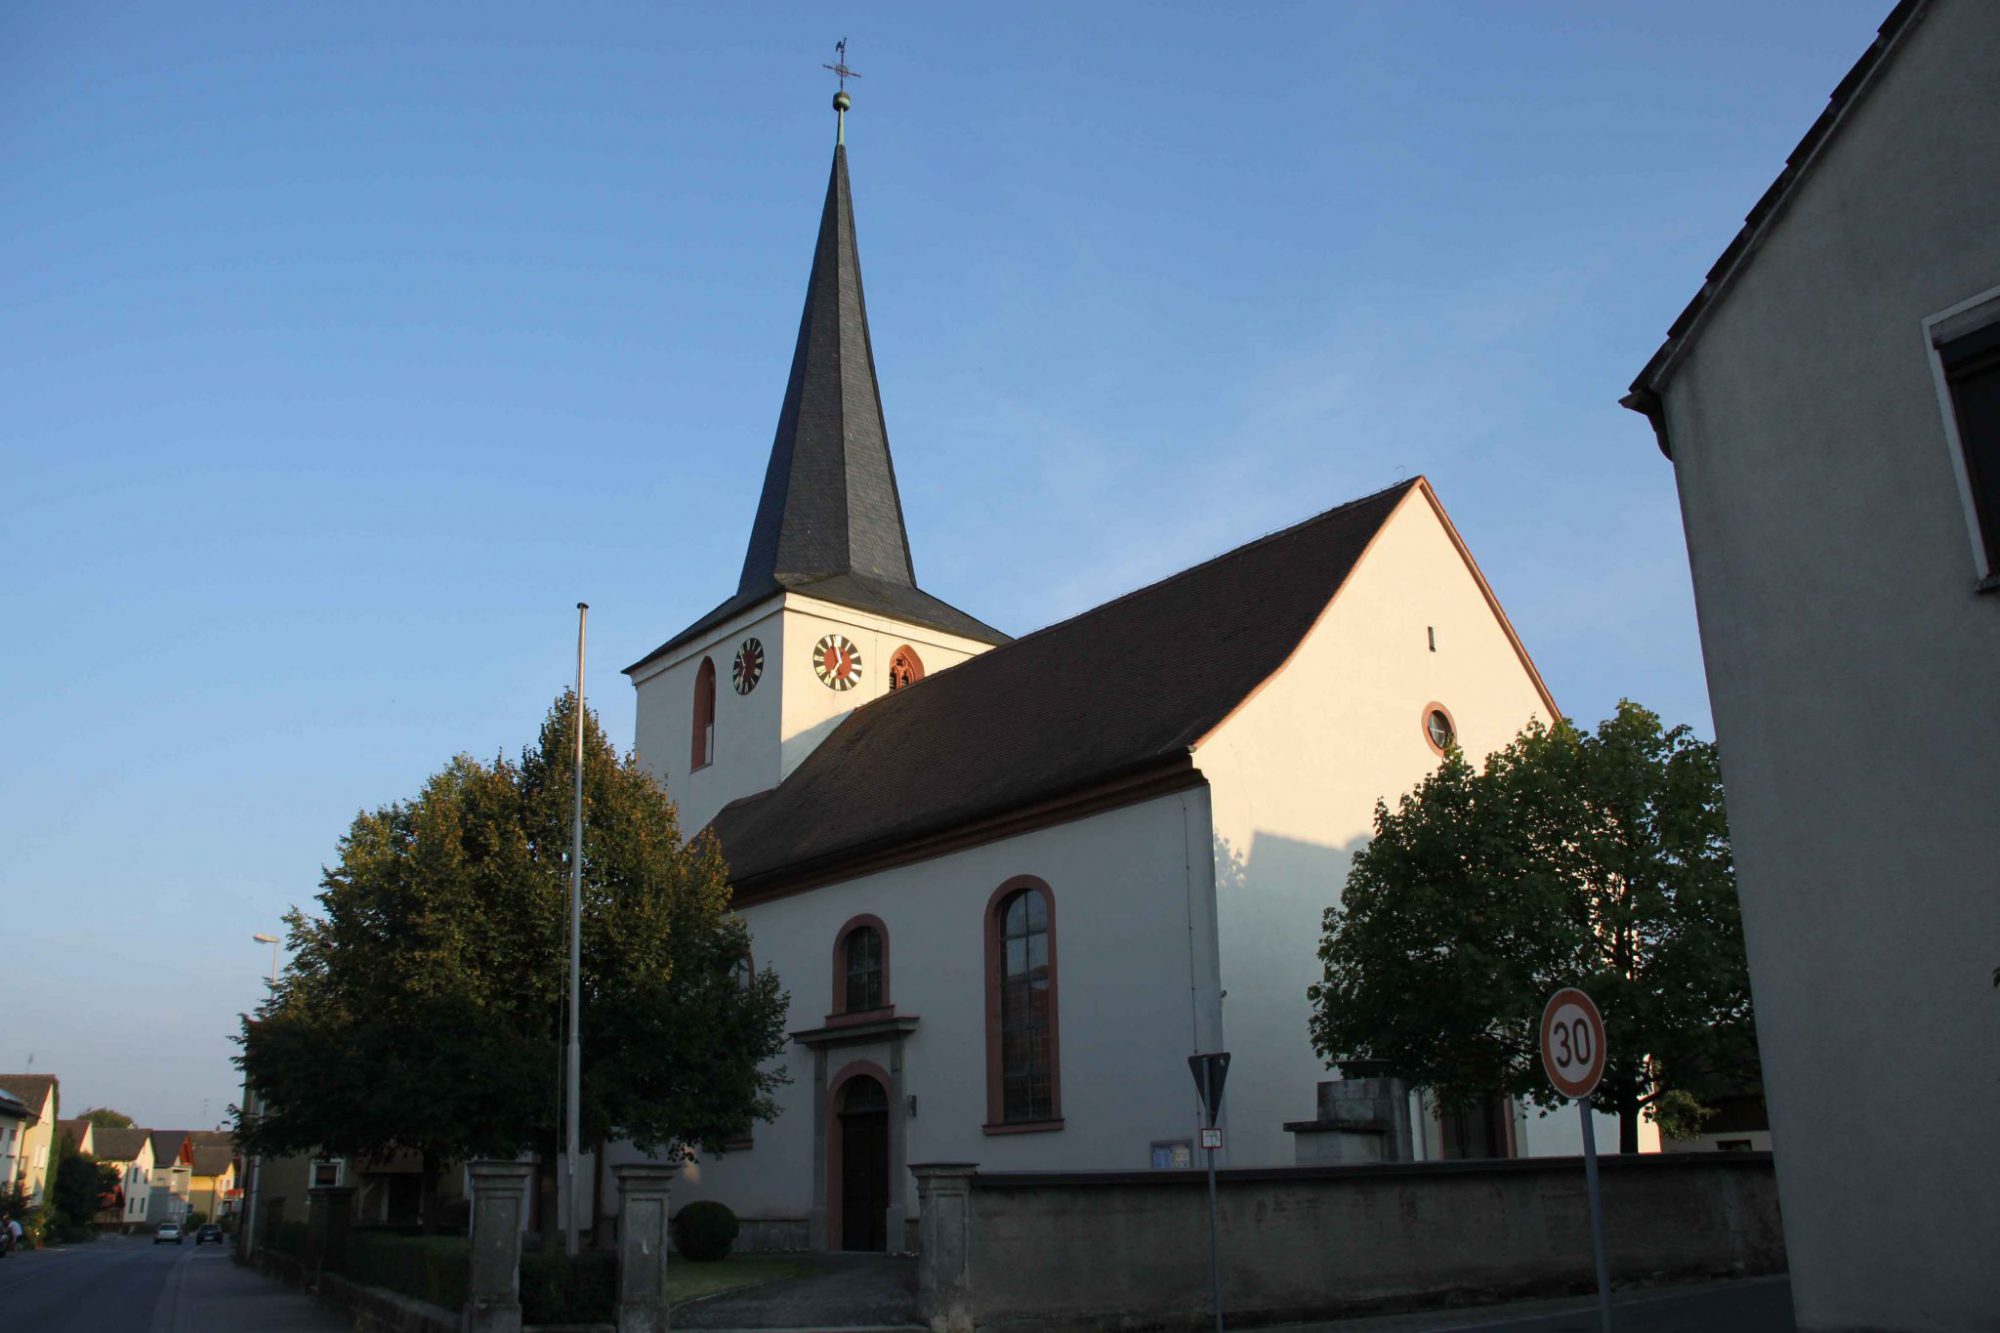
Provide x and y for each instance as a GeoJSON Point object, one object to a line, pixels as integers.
{"type": "Point", "coordinates": [105, 1118]}
{"type": "Point", "coordinates": [81, 1186]}
{"type": "Point", "coordinates": [1600, 861]}
{"type": "Point", "coordinates": [424, 1006]}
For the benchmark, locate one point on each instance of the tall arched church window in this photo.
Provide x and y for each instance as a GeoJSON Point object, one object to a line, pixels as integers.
{"type": "Point", "coordinates": [1022, 1063]}
{"type": "Point", "coordinates": [864, 969]}
{"type": "Point", "coordinates": [861, 967]}
{"type": "Point", "coordinates": [905, 668]}
{"type": "Point", "coordinates": [704, 716]}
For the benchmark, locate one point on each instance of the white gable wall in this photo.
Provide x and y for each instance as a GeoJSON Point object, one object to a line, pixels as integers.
{"type": "Point", "coordinates": [1135, 996]}
{"type": "Point", "coordinates": [1295, 774]}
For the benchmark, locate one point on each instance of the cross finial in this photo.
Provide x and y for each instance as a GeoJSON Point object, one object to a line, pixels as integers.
{"type": "Point", "coordinates": [841, 101]}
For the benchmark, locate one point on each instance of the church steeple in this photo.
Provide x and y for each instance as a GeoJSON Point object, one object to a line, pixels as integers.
{"type": "Point", "coordinates": [830, 504]}
{"type": "Point", "coordinates": [829, 523]}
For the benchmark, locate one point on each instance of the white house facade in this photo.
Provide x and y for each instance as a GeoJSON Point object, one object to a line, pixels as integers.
{"type": "Point", "coordinates": [1012, 885]}
{"type": "Point", "coordinates": [1831, 406]}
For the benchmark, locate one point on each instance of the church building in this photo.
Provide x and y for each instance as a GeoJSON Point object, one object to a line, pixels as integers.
{"type": "Point", "coordinates": [1012, 884]}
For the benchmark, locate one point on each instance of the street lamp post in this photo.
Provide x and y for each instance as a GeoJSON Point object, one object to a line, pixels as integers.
{"type": "Point", "coordinates": [246, 1223]}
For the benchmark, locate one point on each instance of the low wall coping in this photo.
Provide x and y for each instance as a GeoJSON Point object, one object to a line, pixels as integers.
{"type": "Point", "coordinates": [1361, 1172]}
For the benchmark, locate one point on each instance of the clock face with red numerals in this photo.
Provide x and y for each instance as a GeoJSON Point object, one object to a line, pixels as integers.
{"type": "Point", "coordinates": [748, 668]}
{"type": "Point", "coordinates": [837, 662]}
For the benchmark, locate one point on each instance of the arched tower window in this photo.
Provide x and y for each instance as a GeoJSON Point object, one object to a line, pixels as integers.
{"type": "Point", "coordinates": [1023, 1085]}
{"type": "Point", "coordinates": [704, 716]}
{"type": "Point", "coordinates": [905, 668]}
{"type": "Point", "coordinates": [861, 966]}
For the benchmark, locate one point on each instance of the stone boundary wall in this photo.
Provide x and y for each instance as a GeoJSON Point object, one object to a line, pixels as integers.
{"type": "Point", "coordinates": [1123, 1249]}
{"type": "Point", "coordinates": [371, 1309]}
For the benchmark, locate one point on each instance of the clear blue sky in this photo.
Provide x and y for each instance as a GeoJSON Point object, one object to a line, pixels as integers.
{"type": "Point", "coordinates": [343, 348]}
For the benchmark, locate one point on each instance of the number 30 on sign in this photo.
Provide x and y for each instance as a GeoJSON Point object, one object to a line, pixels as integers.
{"type": "Point", "coordinates": [1572, 1043]}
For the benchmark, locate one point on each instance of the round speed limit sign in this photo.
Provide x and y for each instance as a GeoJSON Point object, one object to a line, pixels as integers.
{"type": "Point", "coordinates": [1572, 1043]}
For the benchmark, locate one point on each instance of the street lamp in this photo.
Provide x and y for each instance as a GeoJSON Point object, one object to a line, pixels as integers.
{"type": "Point", "coordinates": [246, 1221]}
{"type": "Point", "coordinates": [271, 940]}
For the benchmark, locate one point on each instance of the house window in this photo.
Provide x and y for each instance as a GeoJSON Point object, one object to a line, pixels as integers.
{"type": "Point", "coordinates": [1971, 367]}
{"type": "Point", "coordinates": [704, 716]}
{"type": "Point", "coordinates": [905, 668]}
{"type": "Point", "coordinates": [1022, 1065]}
{"type": "Point", "coordinates": [861, 966]}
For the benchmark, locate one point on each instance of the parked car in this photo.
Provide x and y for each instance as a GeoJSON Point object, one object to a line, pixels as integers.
{"type": "Point", "coordinates": [208, 1231]}
{"type": "Point", "coordinates": [168, 1231]}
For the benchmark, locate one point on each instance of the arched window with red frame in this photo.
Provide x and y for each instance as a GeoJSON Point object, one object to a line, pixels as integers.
{"type": "Point", "coordinates": [905, 667]}
{"type": "Point", "coordinates": [861, 967]}
{"type": "Point", "coordinates": [704, 716]}
{"type": "Point", "coordinates": [1023, 1062]}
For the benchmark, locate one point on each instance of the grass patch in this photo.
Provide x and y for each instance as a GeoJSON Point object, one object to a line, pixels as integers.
{"type": "Point", "coordinates": [687, 1279]}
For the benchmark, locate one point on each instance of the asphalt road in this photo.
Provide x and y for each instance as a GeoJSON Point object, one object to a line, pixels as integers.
{"type": "Point", "coordinates": [123, 1284]}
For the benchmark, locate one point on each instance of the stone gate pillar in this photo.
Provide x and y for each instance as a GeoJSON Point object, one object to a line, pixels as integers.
{"type": "Point", "coordinates": [499, 1198]}
{"type": "Point", "coordinates": [944, 1248]}
{"type": "Point", "coordinates": [643, 1215]}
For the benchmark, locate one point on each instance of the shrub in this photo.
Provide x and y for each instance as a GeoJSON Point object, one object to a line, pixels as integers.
{"type": "Point", "coordinates": [194, 1218]}
{"type": "Point", "coordinates": [704, 1230]}
{"type": "Point", "coordinates": [288, 1238]}
{"type": "Point", "coordinates": [437, 1269]}
{"type": "Point", "coordinates": [556, 1289]}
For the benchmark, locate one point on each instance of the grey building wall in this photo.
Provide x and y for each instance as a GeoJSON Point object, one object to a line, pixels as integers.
{"type": "Point", "coordinates": [1853, 669]}
{"type": "Point", "coordinates": [1130, 1249]}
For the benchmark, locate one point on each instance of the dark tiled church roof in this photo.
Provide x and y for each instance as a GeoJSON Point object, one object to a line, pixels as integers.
{"type": "Point", "coordinates": [1105, 695]}
{"type": "Point", "coordinates": [830, 522]}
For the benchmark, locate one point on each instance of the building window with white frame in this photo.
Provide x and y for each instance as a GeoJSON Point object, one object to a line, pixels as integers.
{"type": "Point", "coordinates": [1966, 344]}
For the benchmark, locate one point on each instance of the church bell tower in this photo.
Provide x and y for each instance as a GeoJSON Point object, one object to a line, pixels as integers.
{"type": "Point", "coordinates": [827, 614]}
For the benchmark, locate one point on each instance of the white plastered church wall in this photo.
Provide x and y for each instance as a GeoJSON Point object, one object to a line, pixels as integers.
{"type": "Point", "coordinates": [1136, 983]}
{"type": "Point", "coordinates": [746, 755]}
{"type": "Point", "coordinates": [760, 737]}
{"type": "Point", "coordinates": [1295, 773]}
{"type": "Point", "coordinates": [811, 710]}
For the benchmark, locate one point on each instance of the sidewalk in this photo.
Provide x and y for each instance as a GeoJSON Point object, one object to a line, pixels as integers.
{"type": "Point", "coordinates": [1751, 1305]}
{"type": "Point", "coordinates": [209, 1291]}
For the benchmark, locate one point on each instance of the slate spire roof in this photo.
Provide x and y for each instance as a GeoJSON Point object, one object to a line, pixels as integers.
{"type": "Point", "coordinates": [830, 521]}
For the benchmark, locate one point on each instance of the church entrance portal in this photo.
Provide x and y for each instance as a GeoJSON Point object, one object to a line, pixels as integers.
{"type": "Point", "coordinates": [864, 1164]}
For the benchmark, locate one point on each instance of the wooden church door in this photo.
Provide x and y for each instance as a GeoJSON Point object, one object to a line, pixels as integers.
{"type": "Point", "coordinates": [864, 1165]}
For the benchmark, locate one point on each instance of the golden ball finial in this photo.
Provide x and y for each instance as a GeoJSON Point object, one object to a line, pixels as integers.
{"type": "Point", "coordinates": [841, 101]}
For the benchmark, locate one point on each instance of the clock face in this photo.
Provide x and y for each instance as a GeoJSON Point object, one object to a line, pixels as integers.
{"type": "Point", "coordinates": [837, 662]}
{"type": "Point", "coordinates": [748, 668]}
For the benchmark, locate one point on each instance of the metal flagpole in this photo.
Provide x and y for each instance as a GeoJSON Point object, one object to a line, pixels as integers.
{"type": "Point", "coordinates": [574, 1090]}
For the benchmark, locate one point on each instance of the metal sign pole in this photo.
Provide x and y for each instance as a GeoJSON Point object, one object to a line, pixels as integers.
{"type": "Point", "coordinates": [1596, 1216]}
{"type": "Point", "coordinates": [1214, 1212]}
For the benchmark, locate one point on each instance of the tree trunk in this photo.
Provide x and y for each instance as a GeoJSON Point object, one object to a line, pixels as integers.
{"type": "Point", "coordinates": [1627, 1106]}
{"type": "Point", "coordinates": [427, 1194]}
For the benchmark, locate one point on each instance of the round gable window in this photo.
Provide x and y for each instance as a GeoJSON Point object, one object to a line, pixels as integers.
{"type": "Point", "coordinates": [1439, 729]}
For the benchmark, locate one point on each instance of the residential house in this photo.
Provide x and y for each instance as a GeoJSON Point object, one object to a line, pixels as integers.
{"type": "Point", "coordinates": [42, 1095]}
{"type": "Point", "coordinates": [212, 1190]}
{"type": "Point", "coordinates": [173, 1176]}
{"type": "Point", "coordinates": [81, 1134]}
{"type": "Point", "coordinates": [1830, 401]}
{"type": "Point", "coordinates": [15, 1122]}
{"type": "Point", "coordinates": [131, 1151]}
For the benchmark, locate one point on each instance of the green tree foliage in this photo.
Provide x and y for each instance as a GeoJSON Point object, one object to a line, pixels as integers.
{"type": "Point", "coordinates": [1571, 859]}
{"type": "Point", "coordinates": [424, 1006]}
{"type": "Point", "coordinates": [81, 1185]}
{"type": "Point", "coordinates": [105, 1118]}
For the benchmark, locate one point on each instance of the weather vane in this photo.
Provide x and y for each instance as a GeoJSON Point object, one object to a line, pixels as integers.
{"type": "Point", "coordinates": [841, 101]}
{"type": "Point", "coordinates": [839, 65]}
